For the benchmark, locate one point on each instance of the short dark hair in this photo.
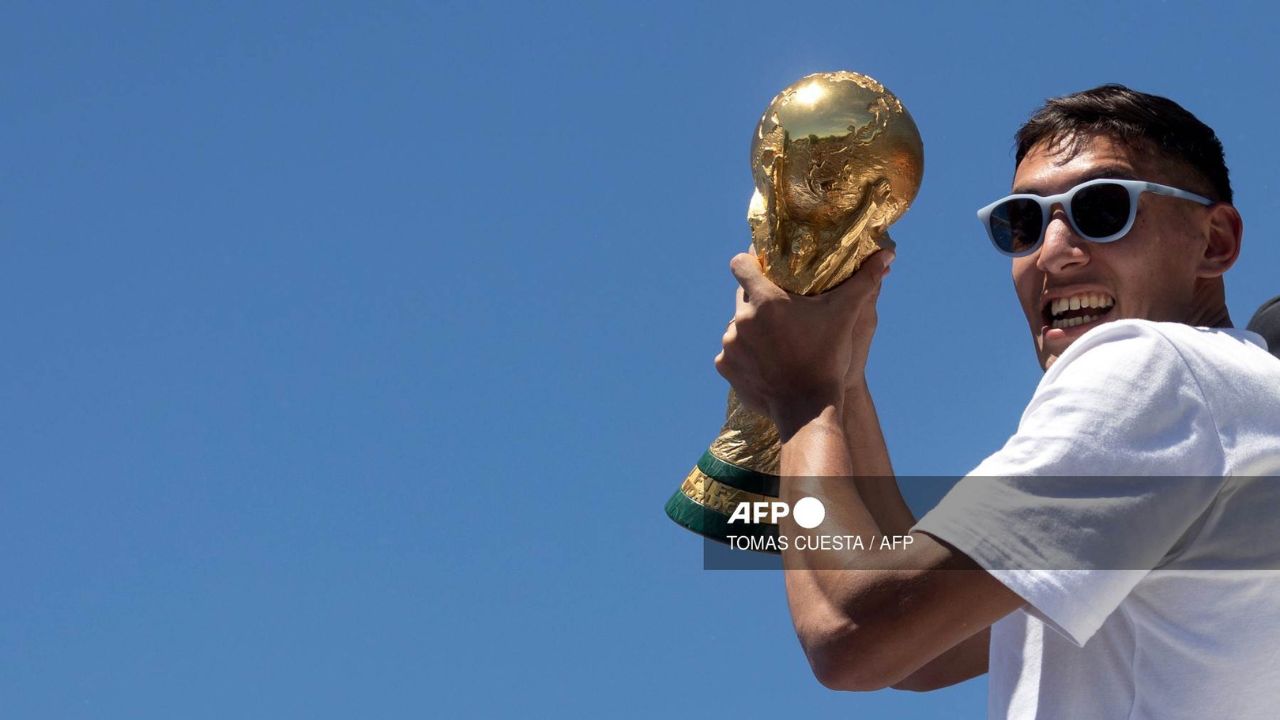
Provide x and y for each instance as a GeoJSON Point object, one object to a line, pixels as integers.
{"type": "Point", "coordinates": [1132, 118]}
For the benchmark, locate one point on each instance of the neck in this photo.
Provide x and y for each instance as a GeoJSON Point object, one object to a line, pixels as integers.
{"type": "Point", "coordinates": [1209, 305]}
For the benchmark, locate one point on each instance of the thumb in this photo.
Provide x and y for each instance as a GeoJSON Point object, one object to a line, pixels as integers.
{"type": "Point", "coordinates": [746, 268]}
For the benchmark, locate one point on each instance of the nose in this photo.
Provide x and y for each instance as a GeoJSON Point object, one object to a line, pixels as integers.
{"type": "Point", "coordinates": [1062, 248]}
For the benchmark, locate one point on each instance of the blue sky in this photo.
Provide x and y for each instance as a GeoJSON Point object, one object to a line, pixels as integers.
{"type": "Point", "coordinates": [351, 351]}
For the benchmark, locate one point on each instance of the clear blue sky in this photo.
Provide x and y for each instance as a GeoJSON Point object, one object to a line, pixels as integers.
{"type": "Point", "coordinates": [349, 353]}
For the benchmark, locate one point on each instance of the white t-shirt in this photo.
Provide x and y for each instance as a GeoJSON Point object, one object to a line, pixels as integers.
{"type": "Point", "coordinates": [1133, 512]}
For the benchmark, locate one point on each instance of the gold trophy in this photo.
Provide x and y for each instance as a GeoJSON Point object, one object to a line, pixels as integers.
{"type": "Point", "coordinates": [836, 159]}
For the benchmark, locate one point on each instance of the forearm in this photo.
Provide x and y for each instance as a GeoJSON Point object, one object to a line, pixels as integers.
{"type": "Point", "coordinates": [832, 608]}
{"type": "Point", "coordinates": [870, 465]}
{"type": "Point", "coordinates": [816, 463]}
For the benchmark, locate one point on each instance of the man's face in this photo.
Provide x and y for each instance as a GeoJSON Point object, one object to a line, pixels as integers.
{"type": "Point", "coordinates": [1149, 273]}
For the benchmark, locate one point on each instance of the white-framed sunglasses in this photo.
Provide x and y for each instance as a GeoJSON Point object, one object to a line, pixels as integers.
{"type": "Point", "coordinates": [1099, 211]}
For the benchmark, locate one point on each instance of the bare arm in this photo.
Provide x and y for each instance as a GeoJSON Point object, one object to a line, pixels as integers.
{"type": "Point", "coordinates": [967, 660]}
{"type": "Point", "coordinates": [869, 618]}
{"type": "Point", "coordinates": [872, 618]}
{"type": "Point", "coordinates": [874, 478]}
{"type": "Point", "coordinates": [869, 462]}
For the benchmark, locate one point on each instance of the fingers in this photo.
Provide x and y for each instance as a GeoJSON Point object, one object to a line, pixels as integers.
{"type": "Point", "coordinates": [866, 281]}
{"type": "Point", "coordinates": [877, 264]}
{"type": "Point", "coordinates": [730, 334]}
{"type": "Point", "coordinates": [746, 268]}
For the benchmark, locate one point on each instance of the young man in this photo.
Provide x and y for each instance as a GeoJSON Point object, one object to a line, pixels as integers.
{"type": "Point", "coordinates": [1115, 558]}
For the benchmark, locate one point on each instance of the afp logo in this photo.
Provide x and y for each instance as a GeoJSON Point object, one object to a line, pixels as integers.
{"type": "Point", "coordinates": [809, 512]}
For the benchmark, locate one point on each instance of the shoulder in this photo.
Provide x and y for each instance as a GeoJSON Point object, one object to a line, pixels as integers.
{"type": "Point", "coordinates": [1127, 358]}
{"type": "Point", "coordinates": [1177, 343]}
{"type": "Point", "coordinates": [1122, 339]}
{"type": "Point", "coordinates": [1153, 359]}
{"type": "Point", "coordinates": [1124, 399]}
{"type": "Point", "coordinates": [1159, 355]}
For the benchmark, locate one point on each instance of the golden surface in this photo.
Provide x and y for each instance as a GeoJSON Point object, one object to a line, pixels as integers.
{"type": "Point", "coordinates": [708, 493]}
{"type": "Point", "coordinates": [748, 439]}
{"type": "Point", "coordinates": [836, 159]}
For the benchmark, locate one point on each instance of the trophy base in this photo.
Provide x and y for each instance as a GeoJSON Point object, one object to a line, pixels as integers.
{"type": "Point", "coordinates": [715, 525]}
{"type": "Point", "coordinates": [712, 492]}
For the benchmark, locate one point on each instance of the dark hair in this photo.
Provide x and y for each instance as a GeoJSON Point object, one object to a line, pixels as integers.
{"type": "Point", "coordinates": [1132, 118]}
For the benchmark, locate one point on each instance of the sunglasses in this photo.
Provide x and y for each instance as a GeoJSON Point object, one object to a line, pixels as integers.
{"type": "Point", "coordinates": [1100, 211]}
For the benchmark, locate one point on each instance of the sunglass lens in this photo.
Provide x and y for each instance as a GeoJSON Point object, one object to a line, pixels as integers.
{"type": "Point", "coordinates": [1015, 225]}
{"type": "Point", "coordinates": [1101, 210]}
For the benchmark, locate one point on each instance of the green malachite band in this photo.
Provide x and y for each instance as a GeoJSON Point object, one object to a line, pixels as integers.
{"type": "Point", "coordinates": [736, 477]}
{"type": "Point", "coordinates": [711, 524]}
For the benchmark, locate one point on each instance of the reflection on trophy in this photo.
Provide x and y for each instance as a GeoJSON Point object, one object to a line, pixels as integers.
{"type": "Point", "coordinates": [836, 159]}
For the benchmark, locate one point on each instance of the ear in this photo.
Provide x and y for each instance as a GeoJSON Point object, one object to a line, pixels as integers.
{"type": "Point", "coordinates": [1223, 232]}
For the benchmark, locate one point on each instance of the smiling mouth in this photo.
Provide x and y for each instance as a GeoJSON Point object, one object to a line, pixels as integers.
{"type": "Point", "coordinates": [1078, 309]}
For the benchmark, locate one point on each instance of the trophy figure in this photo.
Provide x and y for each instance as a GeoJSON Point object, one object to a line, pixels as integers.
{"type": "Point", "coordinates": [836, 159]}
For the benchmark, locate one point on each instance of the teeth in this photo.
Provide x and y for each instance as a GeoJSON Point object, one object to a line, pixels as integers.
{"type": "Point", "coordinates": [1076, 302]}
{"type": "Point", "coordinates": [1062, 323]}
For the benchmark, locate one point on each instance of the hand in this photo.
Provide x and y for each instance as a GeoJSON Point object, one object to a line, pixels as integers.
{"type": "Point", "coordinates": [864, 329]}
{"type": "Point", "coordinates": [790, 356]}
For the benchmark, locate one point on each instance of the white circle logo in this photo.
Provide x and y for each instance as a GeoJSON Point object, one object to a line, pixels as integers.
{"type": "Point", "coordinates": [809, 512]}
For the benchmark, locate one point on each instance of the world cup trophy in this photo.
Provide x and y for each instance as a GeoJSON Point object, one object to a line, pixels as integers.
{"type": "Point", "coordinates": [836, 159]}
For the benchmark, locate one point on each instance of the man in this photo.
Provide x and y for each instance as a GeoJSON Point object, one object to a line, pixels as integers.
{"type": "Point", "coordinates": [1113, 559]}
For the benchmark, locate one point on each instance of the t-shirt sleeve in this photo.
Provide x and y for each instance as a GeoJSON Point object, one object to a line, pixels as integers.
{"type": "Point", "coordinates": [1114, 460]}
